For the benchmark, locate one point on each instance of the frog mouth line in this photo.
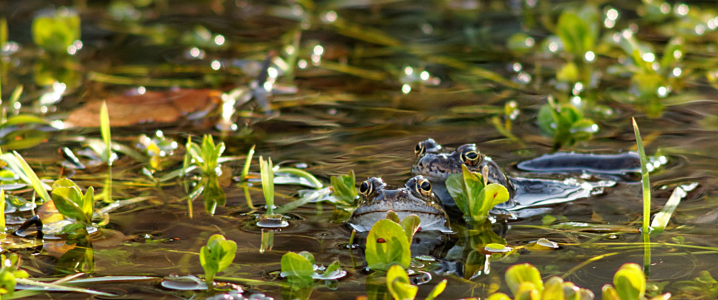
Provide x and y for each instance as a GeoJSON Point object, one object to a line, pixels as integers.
{"type": "Point", "coordinates": [399, 211]}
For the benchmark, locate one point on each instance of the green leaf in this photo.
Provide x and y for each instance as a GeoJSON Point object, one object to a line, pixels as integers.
{"type": "Point", "coordinates": [577, 34]}
{"type": "Point", "coordinates": [568, 73]}
{"type": "Point", "coordinates": [333, 267]}
{"type": "Point", "coordinates": [547, 120]}
{"type": "Point", "coordinates": [297, 268]}
{"type": "Point", "coordinates": [608, 292]}
{"type": "Point", "coordinates": [105, 129]}
{"type": "Point", "coordinates": [661, 219]}
{"type": "Point", "coordinates": [386, 245]}
{"type": "Point", "coordinates": [70, 202]}
{"type": "Point", "coordinates": [437, 290]}
{"type": "Point", "coordinates": [344, 188]}
{"type": "Point", "coordinates": [527, 291]}
{"type": "Point", "coordinates": [88, 203]}
{"type": "Point", "coordinates": [399, 285]}
{"type": "Point", "coordinates": [410, 224]}
{"type": "Point", "coordinates": [267, 175]}
{"type": "Point", "coordinates": [455, 186]}
{"type": "Point", "coordinates": [553, 289]}
{"type": "Point", "coordinates": [583, 129]}
{"type": "Point", "coordinates": [216, 256]}
{"type": "Point", "coordinates": [518, 43]}
{"type": "Point", "coordinates": [23, 119]}
{"type": "Point", "coordinates": [518, 274]}
{"type": "Point", "coordinates": [305, 178]}
{"type": "Point", "coordinates": [630, 282]}
{"type": "Point", "coordinates": [490, 196]}
{"type": "Point", "coordinates": [188, 157]}
{"type": "Point", "coordinates": [54, 31]}
{"type": "Point", "coordinates": [308, 255]}
{"type": "Point", "coordinates": [21, 168]}
{"type": "Point", "coordinates": [247, 163]}
{"type": "Point", "coordinates": [391, 215]}
{"type": "Point", "coordinates": [645, 180]}
{"type": "Point", "coordinates": [499, 296]}
{"type": "Point", "coordinates": [212, 194]}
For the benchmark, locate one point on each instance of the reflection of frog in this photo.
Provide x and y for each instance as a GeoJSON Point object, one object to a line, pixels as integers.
{"type": "Point", "coordinates": [524, 192]}
{"type": "Point", "coordinates": [415, 198]}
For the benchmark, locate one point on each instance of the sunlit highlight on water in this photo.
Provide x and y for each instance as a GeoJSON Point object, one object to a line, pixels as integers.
{"type": "Point", "coordinates": [219, 40]}
{"type": "Point", "coordinates": [590, 56]}
{"type": "Point", "coordinates": [302, 64]}
{"type": "Point", "coordinates": [424, 75]}
{"type": "Point", "coordinates": [408, 70]}
{"type": "Point", "coordinates": [677, 72]}
{"type": "Point", "coordinates": [406, 88]}
{"type": "Point", "coordinates": [216, 65]}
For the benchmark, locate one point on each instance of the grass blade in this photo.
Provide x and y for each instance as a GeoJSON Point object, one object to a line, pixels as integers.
{"type": "Point", "coordinates": [661, 219]}
{"type": "Point", "coordinates": [247, 163]}
{"type": "Point", "coordinates": [645, 180]}
{"type": "Point", "coordinates": [34, 180]}
{"type": "Point", "coordinates": [105, 129]}
{"type": "Point", "coordinates": [57, 287]}
{"type": "Point", "coordinates": [311, 180]}
{"type": "Point", "coordinates": [2, 211]}
{"type": "Point", "coordinates": [267, 175]}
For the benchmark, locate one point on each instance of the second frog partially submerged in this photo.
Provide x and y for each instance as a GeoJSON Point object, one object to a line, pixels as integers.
{"type": "Point", "coordinates": [528, 196]}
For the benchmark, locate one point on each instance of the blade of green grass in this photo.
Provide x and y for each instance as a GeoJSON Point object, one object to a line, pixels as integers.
{"type": "Point", "coordinates": [247, 163]}
{"type": "Point", "coordinates": [267, 175]}
{"type": "Point", "coordinates": [45, 286]}
{"type": "Point", "coordinates": [34, 180]}
{"type": "Point", "coordinates": [315, 183]}
{"type": "Point", "coordinates": [660, 220]}
{"type": "Point", "coordinates": [645, 180]}
{"type": "Point", "coordinates": [2, 211]}
{"type": "Point", "coordinates": [105, 129]}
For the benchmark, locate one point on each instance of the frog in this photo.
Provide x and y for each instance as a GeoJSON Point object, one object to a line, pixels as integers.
{"type": "Point", "coordinates": [524, 193]}
{"type": "Point", "coordinates": [415, 197]}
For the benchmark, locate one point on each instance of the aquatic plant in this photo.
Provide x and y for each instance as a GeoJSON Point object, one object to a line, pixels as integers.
{"type": "Point", "coordinates": [702, 287]}
{"type": "Point", "coordinates": [565, 123]}
{"type": "Point", "coordinates": [473, 197]}
{"type": "Point", "coordinates": [344, 189]}
{"type": "Point", "coordinates": [400, 288]}
{"type": "Point", "coordinates": [216, 256]}
{"type": "Point", "coordinates": [56, 30]}
{"type": "Point", "coordinates": [300, 269]}
{"type": "Point", "coordinates": [9, 273]}
{"type": "Point", "coordinates": [524, 281]}
{"type": "Point", "coordinates": [387, 244]}
{"type": "Point", "coordinates": [267, 174]}
{"type": "Point", "coordinates": [71, 202]}
{"type": "Point", "coordinates": [207, 156]}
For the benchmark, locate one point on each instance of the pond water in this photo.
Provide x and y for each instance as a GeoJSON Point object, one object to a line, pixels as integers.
{"type": "Point", "coordinates": [369, 80]}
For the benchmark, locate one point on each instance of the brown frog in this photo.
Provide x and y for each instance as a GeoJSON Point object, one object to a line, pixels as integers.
{"type": "Point", "coordinates": [416, 197]}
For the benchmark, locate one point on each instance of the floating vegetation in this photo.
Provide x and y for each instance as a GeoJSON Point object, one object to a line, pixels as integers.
{"type": "Point", "coordinates": [337, 91]}
{"type": "Point", "coordinates": [473, 196]}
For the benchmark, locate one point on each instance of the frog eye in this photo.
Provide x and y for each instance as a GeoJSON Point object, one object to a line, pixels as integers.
{"type": "Point", "coordinates": [366, 188]}
{"type": "Point", "coordinates": [419, 150]}
{"type": "Point", "coordinates": [471, 157]}
{"type": "Point", "coordinates": [424, 187]}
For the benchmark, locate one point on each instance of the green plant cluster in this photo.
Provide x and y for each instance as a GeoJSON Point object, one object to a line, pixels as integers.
{"type": "Point", "coordinates": [400, 288]}
{"type": "Point", "coordinates": [216, 256]}
{"type": "Point", "coordinates": [473, 196]}
{"type": "Point", "coordinates": [300, 269]}
{"type": "Point", "coordinates": [524, 281]}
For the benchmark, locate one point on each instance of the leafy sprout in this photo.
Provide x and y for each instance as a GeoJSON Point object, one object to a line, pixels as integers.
{"type": "Point", "coordinates": [474, 198]}
{"type": "Point", "coordinates": [9, 273]}
{"type": "Point", "coordinates": [216, 256]}
{"type": "Point", "coordinates": [300, 269]}
{"type": "Point", "coordinates": [400, 288]}
{"type": "Point", "coordinates": [386, 245]}
{"type": "Point", "coordinates": [71, 203]}
{"type": "Point", "coordinates": [565, 123]}
{"type": "Point", "coordinates": [207, 155]}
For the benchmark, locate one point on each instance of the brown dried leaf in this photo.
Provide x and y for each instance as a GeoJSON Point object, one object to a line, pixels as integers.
{"type": "Point", "coordinates": [151, 106]}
